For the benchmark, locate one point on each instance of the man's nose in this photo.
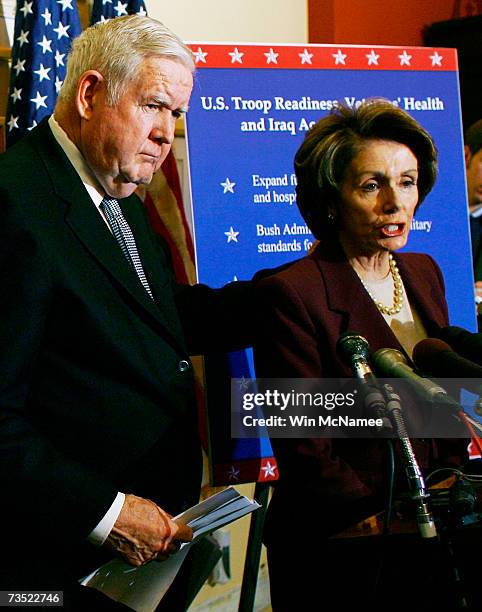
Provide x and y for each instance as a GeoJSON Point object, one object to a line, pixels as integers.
{"type": "Point", "coordinates": [164, 127]}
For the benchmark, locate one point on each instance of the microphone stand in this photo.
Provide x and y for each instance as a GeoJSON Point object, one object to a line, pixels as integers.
{"type": "Point", "coordinates": [416, 483]}
{"type": "Point", "coordinates": [419, 493]}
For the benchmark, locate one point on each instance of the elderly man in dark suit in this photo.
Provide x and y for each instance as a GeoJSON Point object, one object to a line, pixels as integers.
{"type": "Point", "coordinates": [98, 433]}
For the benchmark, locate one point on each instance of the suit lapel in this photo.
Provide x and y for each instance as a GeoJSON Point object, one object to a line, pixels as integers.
{"type": "Point", "coordinates": [91, 230]}
{"type": "Point", "coordinates": [346, 295]}
{"type": "Point", "coordinates": [425, 297]}
{"type": "Point", "coordinates": [155, 267]}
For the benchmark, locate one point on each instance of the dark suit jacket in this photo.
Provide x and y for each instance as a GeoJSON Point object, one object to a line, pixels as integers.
{"type": "Point", "coordinates": [305, 308]}
{"type": "Point", "coordinates": [96, 386]}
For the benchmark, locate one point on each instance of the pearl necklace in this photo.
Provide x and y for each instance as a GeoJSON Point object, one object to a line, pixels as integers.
{"type": "Point", "coordinates": [397, 290]}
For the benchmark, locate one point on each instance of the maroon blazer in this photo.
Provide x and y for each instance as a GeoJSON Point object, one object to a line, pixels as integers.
{"type": "Point", "coordinates": [305, 308]}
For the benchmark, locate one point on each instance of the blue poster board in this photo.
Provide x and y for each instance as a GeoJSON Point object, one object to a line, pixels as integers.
{"type": "Point", "coordinates": [250, 109]}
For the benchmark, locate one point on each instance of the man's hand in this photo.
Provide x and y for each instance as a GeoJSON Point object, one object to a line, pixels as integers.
{"type": "Point", "coordinates": [143, 532]}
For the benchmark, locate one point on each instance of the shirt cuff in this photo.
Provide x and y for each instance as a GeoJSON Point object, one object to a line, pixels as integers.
{"type": "Point", "coordinates": [99, 534]}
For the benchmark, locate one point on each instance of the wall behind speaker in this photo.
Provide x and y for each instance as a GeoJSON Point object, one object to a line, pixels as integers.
{"type": "Point", "coordinates": [465, 35]}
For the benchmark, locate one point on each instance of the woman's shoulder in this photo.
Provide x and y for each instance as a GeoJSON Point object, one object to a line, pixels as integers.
{"type": "Point", "coordinates": [418, 260]}
{"type": "Point", "coordinates": [297, 272]}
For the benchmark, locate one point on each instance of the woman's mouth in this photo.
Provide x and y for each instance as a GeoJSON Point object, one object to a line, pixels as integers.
{"type": "Point", "coordinates": [392, 230]}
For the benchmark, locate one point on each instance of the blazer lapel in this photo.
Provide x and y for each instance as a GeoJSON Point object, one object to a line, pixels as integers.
{"type": "Point", "coordinates": [91, 230]}
{"type": "Point", "coordinates": [347, 295]}
{"type": "Point", "coordinates": [423, 295]}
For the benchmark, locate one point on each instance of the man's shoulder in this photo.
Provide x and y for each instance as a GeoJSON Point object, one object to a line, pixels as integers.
{"type": "Point", "coordinates": [22, 158]}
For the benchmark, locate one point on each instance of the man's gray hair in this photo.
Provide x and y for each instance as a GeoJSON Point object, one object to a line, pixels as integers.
{"type": "Point", "coordinates": [116, 48]}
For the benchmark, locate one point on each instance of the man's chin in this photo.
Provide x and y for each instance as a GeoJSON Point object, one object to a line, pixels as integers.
{"type": "Point", "coordinates": [124, 186]}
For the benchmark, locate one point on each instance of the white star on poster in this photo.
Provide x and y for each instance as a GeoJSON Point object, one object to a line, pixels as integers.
{"type": "Point", "coordinates": [232, 235]}
{"type": "Point", "coordinates": [26, 8]}
{"type": "Point", "coordinates": [45, 43]}
{"type": "Point", "coordinates": [66, 4]}
{"type": "Point", "coordinates": [236, 56]}
{"type": "Point", "coordinates": [23, 38]}
{"type": "Point", "coordinates": [121, 8]}
{"type": "Point", "coordinates": [200, 55]}
{"type": "Point", "coordinates": [436, 59]}
{"type": "Point", "coordinates": [39, 100]}
{"type": "Point", "coordinates": [34, 124]}
{"type": "Point", "coordinates": [405, 59]}
{"type": "Point", "coordinates": [306, 57]}
{"type": "Point", "coordinates": [104, 2]}
{"type": "Point", "coordinates": [47, 17]}
{"type": "Point", "coordinates": [62, 30]}
{"type": "Point", "coordinates": [15, 95]}
{"type": "Point", "coordinates": [59, 58]}
{"type": "Point", "coordinates": [19, 66]}
{"type": "Point", "coordinates": [141, 12]}
{"type": "Point", "coordinates": [233, 473]}
{"type": "Point", "coordinates": [372, 58]}
{"type": "Point", "coordinates": [228, 186]}
{"type": "Point", "coordinates": [43, 73]}
{"type": "Point", "coordinates": [268, 469]}
{"type": "Point", "coordinates": [339, 57]}
{"type": "Point", "coordinates": [12, 123]}
{"type": "Point", "coordinates": [271, 57]}
{"type": "Point", "coordinates": [58, 84]}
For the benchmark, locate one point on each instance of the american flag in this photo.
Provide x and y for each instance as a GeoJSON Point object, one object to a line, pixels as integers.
{"type": "Point", "coordinates": [44, 30]}
{"type": "Point", "coordinates": [108, 9]}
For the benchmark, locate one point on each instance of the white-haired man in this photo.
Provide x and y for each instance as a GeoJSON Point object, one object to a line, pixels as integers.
{"type": "Point", "coordinates": [98, 435]}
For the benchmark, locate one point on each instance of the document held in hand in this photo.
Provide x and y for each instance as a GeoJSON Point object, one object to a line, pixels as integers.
{"type": "Point", "coordinates": [142, 588]}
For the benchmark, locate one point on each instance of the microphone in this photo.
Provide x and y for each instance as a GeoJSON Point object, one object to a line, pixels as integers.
{"type": "Point", "coordinates": [436, 358]}
{"type": "Point", "coordinates": [354, 352]}
{"type": "Point", "coordinates": [466, 343]}
{"type": "Point", "coordinates": [392, 364]}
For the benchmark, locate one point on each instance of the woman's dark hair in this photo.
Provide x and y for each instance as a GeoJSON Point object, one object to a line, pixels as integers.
{"type": "Point", "coordinates": [332, 143]}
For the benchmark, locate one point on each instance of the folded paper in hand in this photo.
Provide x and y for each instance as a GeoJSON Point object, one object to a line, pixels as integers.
{"type": "Point", "coordinates": [142, 588]}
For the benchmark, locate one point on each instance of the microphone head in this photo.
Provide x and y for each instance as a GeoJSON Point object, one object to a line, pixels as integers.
{"type": "Point", "coordinates": [453, 334]}
{"type": "Point", "coordinates": [351, 346]}
{"type": "Point", "coordinates": [428, 349]}
{"type": "Point", "coordinates": [466, 343]}
{"type": "Point", "coordinates": [389, 355]}
{"type": "Point", "coordinates": [436, 358]}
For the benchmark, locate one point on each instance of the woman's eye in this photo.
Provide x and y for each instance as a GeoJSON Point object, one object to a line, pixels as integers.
{"type": "Point", "coordinates": [409, 183]}
{"type": "Point", "coordinates": [372, 186]}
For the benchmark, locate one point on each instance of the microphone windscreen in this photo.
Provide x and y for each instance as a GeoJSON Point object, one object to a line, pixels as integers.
{"type": "Point", "coordinates": [466, 343]}
{"type": "Point", "coordinates": [436, 358]}
{"type": "Point", "coordinates": [350, 345]}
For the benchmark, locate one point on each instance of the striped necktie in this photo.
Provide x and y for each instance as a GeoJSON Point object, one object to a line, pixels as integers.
{"type": "Point", "coordinates": [124, 236]}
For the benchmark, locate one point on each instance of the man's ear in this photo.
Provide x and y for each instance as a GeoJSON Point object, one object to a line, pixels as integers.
{"type": "Point", "coordinates": [467, 155]}
{"type": "Point", "coordinates": [89, 85]}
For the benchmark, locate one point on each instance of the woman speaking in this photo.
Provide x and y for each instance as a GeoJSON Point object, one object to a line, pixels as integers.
{"type": "Point", "coordinates": [362, 174]}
